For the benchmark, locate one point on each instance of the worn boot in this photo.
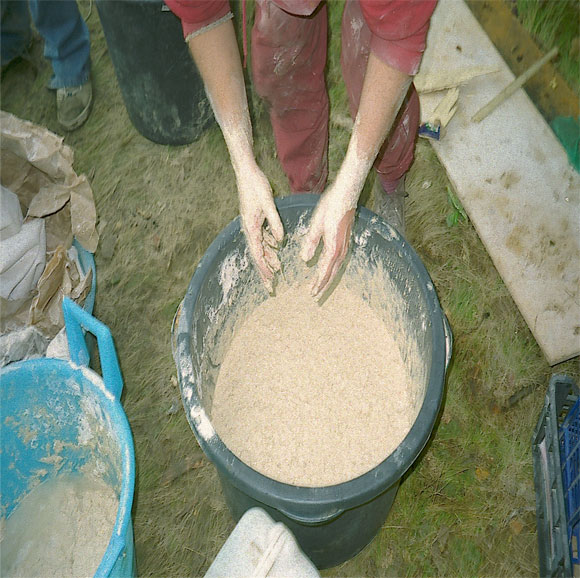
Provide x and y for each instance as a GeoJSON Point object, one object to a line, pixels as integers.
{"type": "Point", "coordinates": [391, 206]}
{"type": "Point", "coordinates": [73, 105]}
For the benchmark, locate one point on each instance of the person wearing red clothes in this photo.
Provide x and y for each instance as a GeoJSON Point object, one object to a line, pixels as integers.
{"type": "Point", "coordinates": [382, 46]}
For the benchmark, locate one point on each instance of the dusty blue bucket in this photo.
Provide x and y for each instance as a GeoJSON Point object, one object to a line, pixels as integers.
{"type": "Point", "coordinates": [47, 405]}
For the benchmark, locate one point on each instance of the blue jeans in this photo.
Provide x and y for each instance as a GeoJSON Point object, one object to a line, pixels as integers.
{"type": "Point", "coordinates": [65, 34]}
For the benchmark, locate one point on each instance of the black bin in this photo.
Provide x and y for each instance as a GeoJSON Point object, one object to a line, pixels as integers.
{"type": "Point", "coordinates": [331, 523]}
{"type": "Point", "coordinates": [162, 89]}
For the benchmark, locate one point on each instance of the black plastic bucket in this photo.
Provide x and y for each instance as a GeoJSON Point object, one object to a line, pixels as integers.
{"type": "Point", "coordinates": [162, 89]}
{"type": "Point", "coordinates": [331, 523]}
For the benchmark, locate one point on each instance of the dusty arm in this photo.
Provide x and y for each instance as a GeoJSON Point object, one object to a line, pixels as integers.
{"type": "Point", "coordinates": [217, 57]}
{"type": "Point", "coordinates": [383, 92]}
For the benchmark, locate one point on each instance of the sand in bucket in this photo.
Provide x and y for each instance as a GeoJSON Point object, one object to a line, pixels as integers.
{"type": "Point", "coordinates": [62, 528]}
{"type": "Point", "coordinates": [313, 394]}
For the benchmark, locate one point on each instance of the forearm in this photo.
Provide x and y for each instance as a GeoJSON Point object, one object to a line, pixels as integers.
{"type": "Point", "coordinates": [383, 92]}
{"type": "Point", "coordinates": [217, 57]}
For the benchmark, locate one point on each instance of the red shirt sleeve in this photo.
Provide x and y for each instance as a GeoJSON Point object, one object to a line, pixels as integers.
{"type": "Point", "coordinates": [399, 30]}
{"type": "Point", "coordinates": [298, 7]}
{"type": "Point", "coordinates": [197, 14]}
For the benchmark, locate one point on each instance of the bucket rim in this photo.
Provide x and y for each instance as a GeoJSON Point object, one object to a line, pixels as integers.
{"type": "Point", "coordinates": [326, 501]}
{"type": "Point", "coordinates": [112, 406]}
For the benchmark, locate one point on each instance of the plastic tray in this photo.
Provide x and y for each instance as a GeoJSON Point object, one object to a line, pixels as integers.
{"type": "Point", "coordinates": [551, 458]}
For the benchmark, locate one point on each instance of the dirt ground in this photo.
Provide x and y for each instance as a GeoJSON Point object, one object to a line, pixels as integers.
{"type": "Point", "coordinates": [467, 507]}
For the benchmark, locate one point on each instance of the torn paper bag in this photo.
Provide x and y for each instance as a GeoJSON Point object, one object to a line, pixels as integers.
{"type": "Point", "coordinates": [45, 205]}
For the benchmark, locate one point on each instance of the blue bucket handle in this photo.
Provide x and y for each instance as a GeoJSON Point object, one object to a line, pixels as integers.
{"type": "Point", "coordinates": [75, 320]}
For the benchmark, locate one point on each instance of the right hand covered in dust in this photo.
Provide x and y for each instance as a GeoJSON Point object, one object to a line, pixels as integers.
{"type": "Point", "coordinates": [331, 224]}
{"type": "Point", "coordinates": [260, 222]}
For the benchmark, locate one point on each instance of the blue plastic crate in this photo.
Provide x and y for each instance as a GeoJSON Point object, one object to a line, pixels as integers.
{"type": "Point", "coordinates": [555, 455]}
{"type": "Point", "coordinates": [569, 434]}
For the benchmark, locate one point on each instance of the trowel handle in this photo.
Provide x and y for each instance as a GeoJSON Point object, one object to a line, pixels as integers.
{"type": "Point", "coordinates": [75, 320]}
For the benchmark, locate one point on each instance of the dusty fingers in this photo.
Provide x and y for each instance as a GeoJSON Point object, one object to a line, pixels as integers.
{"type": "Point", "coordinates": [264, 236]}
{"type": "Point", "coordinates": [335, 237]}
{"type": "Point", "coordinates": [333, 255]}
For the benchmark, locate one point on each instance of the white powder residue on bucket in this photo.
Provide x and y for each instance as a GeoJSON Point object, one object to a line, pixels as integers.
{"type": "Point", "coordinates": [202, 422]}
{"type": "Point", "coordinates": [62, 528]}
{"type": "Point", "coordinates": [313, 395]}
{"type": "Point", "coordinates": [230, 271]}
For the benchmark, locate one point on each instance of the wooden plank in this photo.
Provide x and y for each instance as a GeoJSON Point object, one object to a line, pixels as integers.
{"type": "Point", "coordinates": [513, 179]}
{"type": "Point", "coordinates": [513, 86]}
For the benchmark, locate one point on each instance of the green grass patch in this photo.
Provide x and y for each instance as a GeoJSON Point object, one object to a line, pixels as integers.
{"type": "Point", "coordinates": [555, 23]}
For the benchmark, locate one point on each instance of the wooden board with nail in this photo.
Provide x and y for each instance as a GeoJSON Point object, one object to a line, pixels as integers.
{"type": "Point", "coordinates": [513, 178]}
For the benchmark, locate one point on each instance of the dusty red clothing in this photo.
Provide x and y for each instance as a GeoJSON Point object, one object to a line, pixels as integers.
{"type": "Point", "coordinates": [396, 154]}
{"type": "Point", "coordinates": [197, 14]}
{"type": "Point", "coordinates": [398, 29]}
{"type": "Point", "coordinates": [289, 41]}
{"type": "Point", "coordinates": [288, 72]}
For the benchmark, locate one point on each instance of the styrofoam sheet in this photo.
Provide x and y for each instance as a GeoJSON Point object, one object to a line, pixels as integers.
{"type": "Point", "coordinates": [513, 179]}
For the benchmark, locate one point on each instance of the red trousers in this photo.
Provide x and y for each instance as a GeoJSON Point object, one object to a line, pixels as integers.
{"type": "Point", "coordinates": [288, 61]}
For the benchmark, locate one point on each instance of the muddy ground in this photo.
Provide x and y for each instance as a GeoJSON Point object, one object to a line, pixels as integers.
{"type": "Point", "coordinates": [466, 508]}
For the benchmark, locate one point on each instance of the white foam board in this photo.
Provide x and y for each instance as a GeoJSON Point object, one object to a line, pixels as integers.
{"type": "Point", "coordinates": [514, 180]}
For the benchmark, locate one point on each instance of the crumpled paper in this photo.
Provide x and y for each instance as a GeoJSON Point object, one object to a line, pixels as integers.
{"type": "Point", "coordinates": [37, 166]}
{"type": "Point", "coordinates": [25, 343]}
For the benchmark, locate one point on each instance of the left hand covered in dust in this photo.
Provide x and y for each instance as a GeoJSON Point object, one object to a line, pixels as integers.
{"type": "Point", "coordinates": [260, 222]}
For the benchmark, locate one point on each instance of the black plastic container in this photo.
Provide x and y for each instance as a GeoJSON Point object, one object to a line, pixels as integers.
{"type": "Point", "coordinates": [162, 89]}
{"type": "Point", "coordinates": [331, 523]}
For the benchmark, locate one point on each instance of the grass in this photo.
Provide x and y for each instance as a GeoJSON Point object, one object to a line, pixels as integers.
{"type": "Point", "coordinates": [555, 23]}
{"type": "Point", "coordinates": [466, 508]}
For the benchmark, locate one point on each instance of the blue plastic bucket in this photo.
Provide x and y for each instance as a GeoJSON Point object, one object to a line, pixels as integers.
{"type": "Point", "coordinates": [87, 262]}
{"type": "Point", "coordinates": [331, 523]}
{"type": "Point", "coordinates": [50, 407]}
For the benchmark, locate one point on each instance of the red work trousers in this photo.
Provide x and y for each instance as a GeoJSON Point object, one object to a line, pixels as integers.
{"type": "Point", "coordinates": [288, 61]}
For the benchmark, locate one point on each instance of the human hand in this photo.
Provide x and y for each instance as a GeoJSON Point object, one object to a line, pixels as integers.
{"type": "Point", "coordinates": [331, 223]}
{"type": "Point", "coordinates": [257, 208]}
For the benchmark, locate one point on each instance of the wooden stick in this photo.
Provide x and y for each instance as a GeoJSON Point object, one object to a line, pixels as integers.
{"type": "Point", "coordinates": [427, 81]}
{"type": "Point", "coordinates": [513, 86]}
